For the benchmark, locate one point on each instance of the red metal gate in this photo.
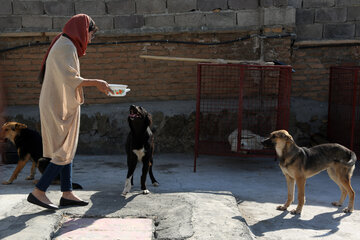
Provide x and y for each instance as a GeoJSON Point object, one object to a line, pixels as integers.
{"type": "Point", "coordinates": [344, 104]}
{"type": "Point", "coordinates": [240, 104]}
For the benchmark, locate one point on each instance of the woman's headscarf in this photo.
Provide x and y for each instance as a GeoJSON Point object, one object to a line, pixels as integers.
{"type": "Point", "coordinates": [77, 30]}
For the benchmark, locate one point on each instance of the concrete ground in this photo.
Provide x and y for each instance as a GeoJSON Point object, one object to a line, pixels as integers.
{"type": "Point", "coordinates": [227, 198]}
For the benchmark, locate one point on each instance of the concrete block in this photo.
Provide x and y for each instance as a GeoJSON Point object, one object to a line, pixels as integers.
{"type": "Point", "coordinates": [129, 228]}
{"type": "Point", "coordinates": [90, 7]}
{"type": "Point", "coordinates": [104, 22]}
{"type": "Point", "coordinates": [176, 6]}
{"type": "Point", "coordinates": [266, 3]}
{"type": "Point", "coordinates": [247, 18]}
{"type": "Point", "coordinates": [353, 14]}
{"type": "Point", "coordinates": [309, 32]}
{"type": "Point", "coordinates": [191, 20]}
{"type": "Point", "coordinates": [282, 16]}
{"type": "Point", "coordinates": [305, 16]}
{"type": "Point", "coordinates": [159, 21]}
{"type": "Point", "coordinates": [326, 15]}
{"type": "Point", "coordinates": [59, 8]}
{"type": "Point", "coordinates": [121, 7]}
{"type": "Point", "coordinates": [220, 20]}
{"type": "Point", "coordinates": [34, 21]}
{"type": "Point", "coordinates": [339, 31]}
{"type": "Point", "coordinates": [59, 22]}
{"type": "Point", "coordinates": [10, 22]}
{"type": "Point", "coordinates": [280, 3]}
{"type": "Point", "coordinates": [318, 3]}
{"type": "Point", "coordinates": [243, 4]}
{"type": "Point", "coordinates": [129, 22]}
{"type": "Point", "coordinates": [295, 3]}
{"type": "Point", "coordinates": [209, 5]}
{"type": "Point", "coordinates": [6, 7]}
{"type": "Point", "coordinates": [153, 6]}
{"type": "Point", "coordinates": [28, 7]}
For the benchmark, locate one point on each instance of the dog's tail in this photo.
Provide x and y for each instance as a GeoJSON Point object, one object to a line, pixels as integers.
{"type": "Point", "coordinates": [351, 160]}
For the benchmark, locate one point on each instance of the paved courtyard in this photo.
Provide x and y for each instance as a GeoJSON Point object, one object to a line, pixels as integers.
{"type": "Point", "coordinates": [227, 198]}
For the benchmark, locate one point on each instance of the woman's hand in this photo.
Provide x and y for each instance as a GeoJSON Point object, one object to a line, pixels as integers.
{"type": "Point", "coordinates": [103, 86]}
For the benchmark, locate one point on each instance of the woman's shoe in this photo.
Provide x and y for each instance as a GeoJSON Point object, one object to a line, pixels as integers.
{"type": "Point", "coordinates": [68, 202]}
{"type": "Point", "coordinates": [32, 199]}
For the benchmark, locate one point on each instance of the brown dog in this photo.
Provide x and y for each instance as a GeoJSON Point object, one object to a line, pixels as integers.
{"type": "Point", "coordinates": [29, 146]}
{"type": "Point", "coordinates": [300, 163]}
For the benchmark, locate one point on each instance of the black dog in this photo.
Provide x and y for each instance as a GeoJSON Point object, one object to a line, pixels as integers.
{"type": "Point", "coordinates": [29, 146]}
{"type": "Point", "coordinates": [139, 147]}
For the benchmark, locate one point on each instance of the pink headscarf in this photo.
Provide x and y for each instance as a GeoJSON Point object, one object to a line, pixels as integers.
{"type": "Point", "coordinates": [77, 29]}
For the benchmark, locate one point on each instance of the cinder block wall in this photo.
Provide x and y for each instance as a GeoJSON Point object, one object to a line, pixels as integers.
{"type": "Point", "coordinates": [139, 16]}
{"type": "Point", "coordinates": [327, 19]}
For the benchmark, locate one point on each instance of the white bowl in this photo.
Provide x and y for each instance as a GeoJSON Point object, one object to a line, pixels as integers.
{"type": "Point", "coordinates": [119, 90]}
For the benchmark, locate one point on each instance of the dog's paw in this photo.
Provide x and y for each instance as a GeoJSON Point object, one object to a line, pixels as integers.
{"type": "Point", "coordinates": [336, 204]}
{"type": "Point", "coordinates": [124, 194]}
{"type": "Point", "coordinates": [155, 184]}
{"type": "Point", "coordinates": [281, 208]}
{"type": "Point", "coordinates": [295, 212]}
{"type": "Point", "coordinates": [145, 192]}
{"type": "Point", "coordinates": [348, 210]}
{"type": "Point", "coordinates": [6, 183]}
{"type": "Point", "coordinates": [29, 178]}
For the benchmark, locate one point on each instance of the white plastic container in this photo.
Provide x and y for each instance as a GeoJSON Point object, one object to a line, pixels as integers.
{"type": "Point", "coordinates": [119, 90]}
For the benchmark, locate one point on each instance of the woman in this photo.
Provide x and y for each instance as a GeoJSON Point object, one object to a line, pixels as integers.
{"type": "Point", "coordinates": [60, 99]}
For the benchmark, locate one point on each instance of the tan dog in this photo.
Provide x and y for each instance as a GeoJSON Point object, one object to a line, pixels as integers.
{"type": "Point", "coordinates": [300, 163]}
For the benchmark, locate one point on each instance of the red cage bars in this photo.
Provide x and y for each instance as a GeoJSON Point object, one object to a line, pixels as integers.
{"type": "Point", "coordinates": [240, 104]}
{"type": "Point", "coordinates": [344, 104]}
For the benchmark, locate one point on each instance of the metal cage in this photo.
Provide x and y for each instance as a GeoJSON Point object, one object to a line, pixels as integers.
{"type": "Point", "coordinates": [240, 104]}
{"type": "Point", "coordinates": [344, 104]}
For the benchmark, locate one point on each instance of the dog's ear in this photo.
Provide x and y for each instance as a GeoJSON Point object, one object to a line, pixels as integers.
{"type": "Point", "coordinates": [290, 138]}
{"type": "Point", "coordinates": [287, 136]}
{"type": "Point", "coordinates": [18, 126]}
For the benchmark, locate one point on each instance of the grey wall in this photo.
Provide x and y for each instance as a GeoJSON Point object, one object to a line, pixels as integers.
{"type": "Point", "coordinates": [327, 19]}
{"type": "Point", "coordinates": [139, 16]}
{"type": "Point", "coordinates": [314, 19]}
